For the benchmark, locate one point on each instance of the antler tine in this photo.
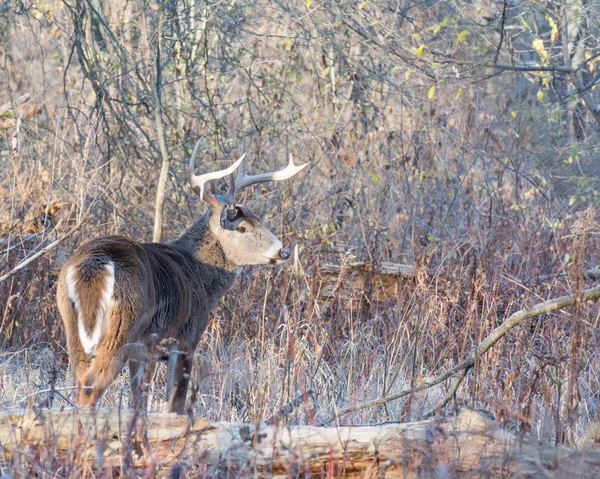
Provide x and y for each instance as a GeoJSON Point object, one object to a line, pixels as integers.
{"type": "Point", "coordinates": [241, 172]}
{"type": "Point", "coordinates": [243, 180]}
{"type": "Point", "coordinates": [198, 181]}
{"type": "Point", "coordinates": [231, 186]}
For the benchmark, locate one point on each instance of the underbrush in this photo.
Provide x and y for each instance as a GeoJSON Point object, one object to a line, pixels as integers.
{"type": "Point", "coordinates": [255, 360]}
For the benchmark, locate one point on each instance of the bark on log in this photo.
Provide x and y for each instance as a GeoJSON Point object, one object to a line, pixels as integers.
{"type": "Point", "coordinates": [468, 445]}
{"type": "Point", "coordinates": [353, 277]}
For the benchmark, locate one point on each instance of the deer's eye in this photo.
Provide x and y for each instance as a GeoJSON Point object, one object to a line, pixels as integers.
{"type": "Point", "coordinates": [241, 229]}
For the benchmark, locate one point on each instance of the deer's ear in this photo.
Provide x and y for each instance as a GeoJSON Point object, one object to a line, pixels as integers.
{"type": "Point", "coordinates": [231, 216]}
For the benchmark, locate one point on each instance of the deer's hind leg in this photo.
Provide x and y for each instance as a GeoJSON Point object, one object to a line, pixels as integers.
{"type": "Point", "coordinates": [108, 360]}
{"type": "Point", "coordinates": [78, 359]}
{"type": "Point", "coordinates": [102, 370]}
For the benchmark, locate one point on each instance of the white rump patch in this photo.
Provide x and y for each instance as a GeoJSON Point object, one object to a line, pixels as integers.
{"type": "Point", "coordinates": [90, 341]}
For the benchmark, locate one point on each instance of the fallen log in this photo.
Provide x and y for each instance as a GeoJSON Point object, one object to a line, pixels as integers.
{"type": "Point", "coordinates": [354, 278]}
{"type": "Point", "coordinates": [105, 441]}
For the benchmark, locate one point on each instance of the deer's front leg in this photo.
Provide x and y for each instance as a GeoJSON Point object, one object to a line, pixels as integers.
{"type": "Point", "coordinates": [171, 365]}
{"type": "Point", "coordinates": [181, 380]}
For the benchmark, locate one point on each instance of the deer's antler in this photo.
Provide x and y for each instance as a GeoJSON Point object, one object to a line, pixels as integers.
{"type": "Point", "coordinates": [198, 181]}
{"type": "Point", "coordinates": [242, 180]}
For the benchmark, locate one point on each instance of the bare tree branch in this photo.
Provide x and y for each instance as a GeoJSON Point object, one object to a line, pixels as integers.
{"type": "Point", "coordinates": [497, 334]}
{"type": "Point", "coordinates": [16, 102]}
{"type": "Point", "coordinates": [40, 253]}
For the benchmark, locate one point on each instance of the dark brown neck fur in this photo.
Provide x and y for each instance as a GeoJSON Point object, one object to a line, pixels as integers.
{"type": "Point", "coordinates": [202, 243]}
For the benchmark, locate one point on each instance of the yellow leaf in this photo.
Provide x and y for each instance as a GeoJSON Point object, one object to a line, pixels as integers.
{"type": "Point", "coordinates": [308, 3]}
{"type": "Point", "coordinates": [513, 114]}
{"type": "Point", "coordinates": [554, 34]}
{"type": "Point", "coordinates": [462, 36]}
{"type": "Point", "coordinates": [458, 93]}
{"type": "Point", "coordinates": [362, 5]}
{"type": "Point", "coordinates": [407, 75]}
{"type": "Point", "coordinates": [540, 95]}
{"type": "Point", "coordinates": [431, 92]}
{"type": "Point", "coordinates": [441, 25]}
{"type": "Point", "coordinates": [538, 46]}
{"type": "Point", "coordinates": [420, 51]}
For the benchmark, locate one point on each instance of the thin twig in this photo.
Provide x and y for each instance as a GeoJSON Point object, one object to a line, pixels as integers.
{"type": "Point", "coordinates": [158, 118]}
{"type": "Point", "coordinates": [41, 252]}
{"type": "Point", "coordinates": [28, 237]}
{"type": "Point", "coordinates": [502, 22]}
{"type": "Point", "coordinates": [290, 407]}
{"type": "Point", "coordinates": [449, 395]}
{"type": "Point", "coordinates": [16, 102]}
{"type": "Point", "coordinates": [592, 274]}
{"type": "Point", "coordinates": [23, 400]}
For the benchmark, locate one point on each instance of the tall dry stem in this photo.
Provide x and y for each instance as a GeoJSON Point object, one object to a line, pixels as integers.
{"type": "Point", "coordinates": [584, 227]}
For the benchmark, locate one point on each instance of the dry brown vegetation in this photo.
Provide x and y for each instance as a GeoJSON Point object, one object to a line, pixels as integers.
{"type": "Point", "coordinates": [461, 139]}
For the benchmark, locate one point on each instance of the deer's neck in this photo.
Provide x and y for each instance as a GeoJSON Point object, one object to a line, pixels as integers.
{"type": "Point", "coordinates": [203, 244]}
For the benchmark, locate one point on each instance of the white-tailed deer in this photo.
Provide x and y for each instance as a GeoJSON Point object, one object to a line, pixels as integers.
{"type": "Point", "coordinates": [118, 297]}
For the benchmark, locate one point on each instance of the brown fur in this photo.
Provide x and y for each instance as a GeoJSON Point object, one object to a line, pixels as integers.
{"type": "Point", "coordinates": [160, 291]}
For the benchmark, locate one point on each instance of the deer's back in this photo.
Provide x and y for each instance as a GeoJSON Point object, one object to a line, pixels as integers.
{"type": "Point", "coordinates": [148, 288]}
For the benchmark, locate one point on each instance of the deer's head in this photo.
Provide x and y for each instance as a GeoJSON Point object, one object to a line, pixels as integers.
{"type": "Point", "coordinates": [240, 233]}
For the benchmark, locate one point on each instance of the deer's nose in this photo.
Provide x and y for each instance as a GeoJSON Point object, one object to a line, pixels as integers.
{"type": "Point", "coordinates": [284, 253]}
